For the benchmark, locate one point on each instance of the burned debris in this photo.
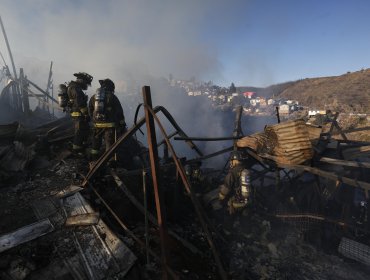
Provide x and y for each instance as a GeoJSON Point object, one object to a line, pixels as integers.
{"type": "Point", "coordinates": [291, 202]}
{"type": "Point", "coordinates": [305, 209]}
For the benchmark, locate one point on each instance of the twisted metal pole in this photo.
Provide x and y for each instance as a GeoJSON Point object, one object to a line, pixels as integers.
{"type": "Point", "coordinates": [196, 203]}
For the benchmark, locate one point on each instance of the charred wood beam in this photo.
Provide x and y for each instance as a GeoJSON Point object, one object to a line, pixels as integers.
{"type": "Point", "coordinates": [355, 130]}
{"type": "Point", "coordinates": [44, 92]}
{"type": "Point", "coordinates": [330, 175]}
{"type": "Point", "coordinates": [345, 162]}
{"type": "Point", "coordinates": [354, 142]}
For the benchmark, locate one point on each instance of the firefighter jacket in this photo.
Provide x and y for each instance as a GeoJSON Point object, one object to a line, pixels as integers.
{"type": "Point", "coordinates": [232, 179]}
{"type": "Point", "coordinates": [112, 114]}
{"type": "Point", "coordinates": [77, 100]}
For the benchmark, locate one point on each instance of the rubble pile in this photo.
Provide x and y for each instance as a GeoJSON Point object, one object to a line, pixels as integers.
{"type": "Point", "coordinates": [79, 234]}
{"type": "Point", "coordinates": [261, 249]}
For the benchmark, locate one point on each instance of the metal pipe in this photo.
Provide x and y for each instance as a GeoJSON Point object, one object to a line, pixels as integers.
{"type": "Point", "coordinates": [153, 155]}
{"type": "Point", "coordinates": [196, 203]}
{"type": "Point", "coordinates": [169, 136]}
{"type": "Point", "coordinates": [208, 138]}
{"type": "Point", "coordinates": [179, 130]}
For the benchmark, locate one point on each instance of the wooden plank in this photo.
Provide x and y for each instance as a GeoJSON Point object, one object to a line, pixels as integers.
{"type": "Point", "coordinates": [87, 219]}
{"type": "Point", "coordinates": [295, 138]}
{"type": "Point", "coordinates": [68, 191]}
{"type": "Point", "coordinates": [25, 234]}
{"type": "Point", "coordinates": [329, 175]}
{"type": "Point", "coordinates": [356, 152]}
{"type": "Point", "coordinates": [356, 129]}
{"type": "Point", "coordinates": [345, 162]}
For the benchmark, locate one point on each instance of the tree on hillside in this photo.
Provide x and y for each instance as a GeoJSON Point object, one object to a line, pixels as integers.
{"type": "Point", "coordinates": [232, 88]}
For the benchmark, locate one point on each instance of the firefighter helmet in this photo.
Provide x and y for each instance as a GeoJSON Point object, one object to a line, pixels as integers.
{"type": "Point", "coordinates": [107, 84]}
{"type": "Point", "coordinates": [84, 77]}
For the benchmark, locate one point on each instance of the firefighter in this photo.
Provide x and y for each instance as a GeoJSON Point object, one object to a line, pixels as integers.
{"type": "Point", "coordinates": [107, 117]}
{"type": "Point", "coordinates": [236, 190]}
{"type": "Point", "coordinates": [77, 106]}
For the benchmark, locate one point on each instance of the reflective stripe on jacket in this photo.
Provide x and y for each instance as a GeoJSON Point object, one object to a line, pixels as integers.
{"type": "Point", "coordinates": [76, 114]}
{"type": "Point", "coordinates": [104, 124]}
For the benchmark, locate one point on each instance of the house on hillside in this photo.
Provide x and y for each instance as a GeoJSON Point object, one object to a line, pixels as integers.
{"type": "Point", "coordinates": [284, 109]}
{"type": "Point", "coordinates": [254, 102]}
{"type": "Point", "coordinates": [263, 102]}
{"type": "Point", "coordinates": [312, 113]}
{"type": "Point", "coordinates": [249, 94]}
{"type": "Point", "coordinates": [271, 101]}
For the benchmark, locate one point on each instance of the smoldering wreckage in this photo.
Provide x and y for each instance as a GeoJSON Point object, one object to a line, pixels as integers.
{"type": "Point", "coordinates": [299, 211]}
{"type": "Point", "coordinates": [161, 217]}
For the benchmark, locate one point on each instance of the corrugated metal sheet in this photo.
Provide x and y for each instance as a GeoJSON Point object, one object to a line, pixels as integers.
{"type": "Point", "coordinates": [286, 143]}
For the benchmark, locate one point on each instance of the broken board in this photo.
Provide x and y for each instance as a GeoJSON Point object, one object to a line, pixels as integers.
{"type": "Point", "coordinates": [103, 253]}
{"type": "Point", "coordinates": [25, 234]}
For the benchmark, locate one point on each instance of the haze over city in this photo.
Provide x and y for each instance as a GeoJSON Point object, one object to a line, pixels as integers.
{"type": "Point", "coordinates": [255, 43]}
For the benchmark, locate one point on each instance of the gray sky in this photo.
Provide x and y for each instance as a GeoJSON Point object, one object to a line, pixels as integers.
{"type": "Point", "coordinates": [109, 38]}
{"type": "Point", "coordinates": [248, 42]}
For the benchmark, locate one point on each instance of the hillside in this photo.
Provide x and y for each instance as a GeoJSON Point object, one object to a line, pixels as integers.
{"type": "Point", "coordinates": [346, 93]}
{"type": "Point", "coordinates": [269, 91]}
